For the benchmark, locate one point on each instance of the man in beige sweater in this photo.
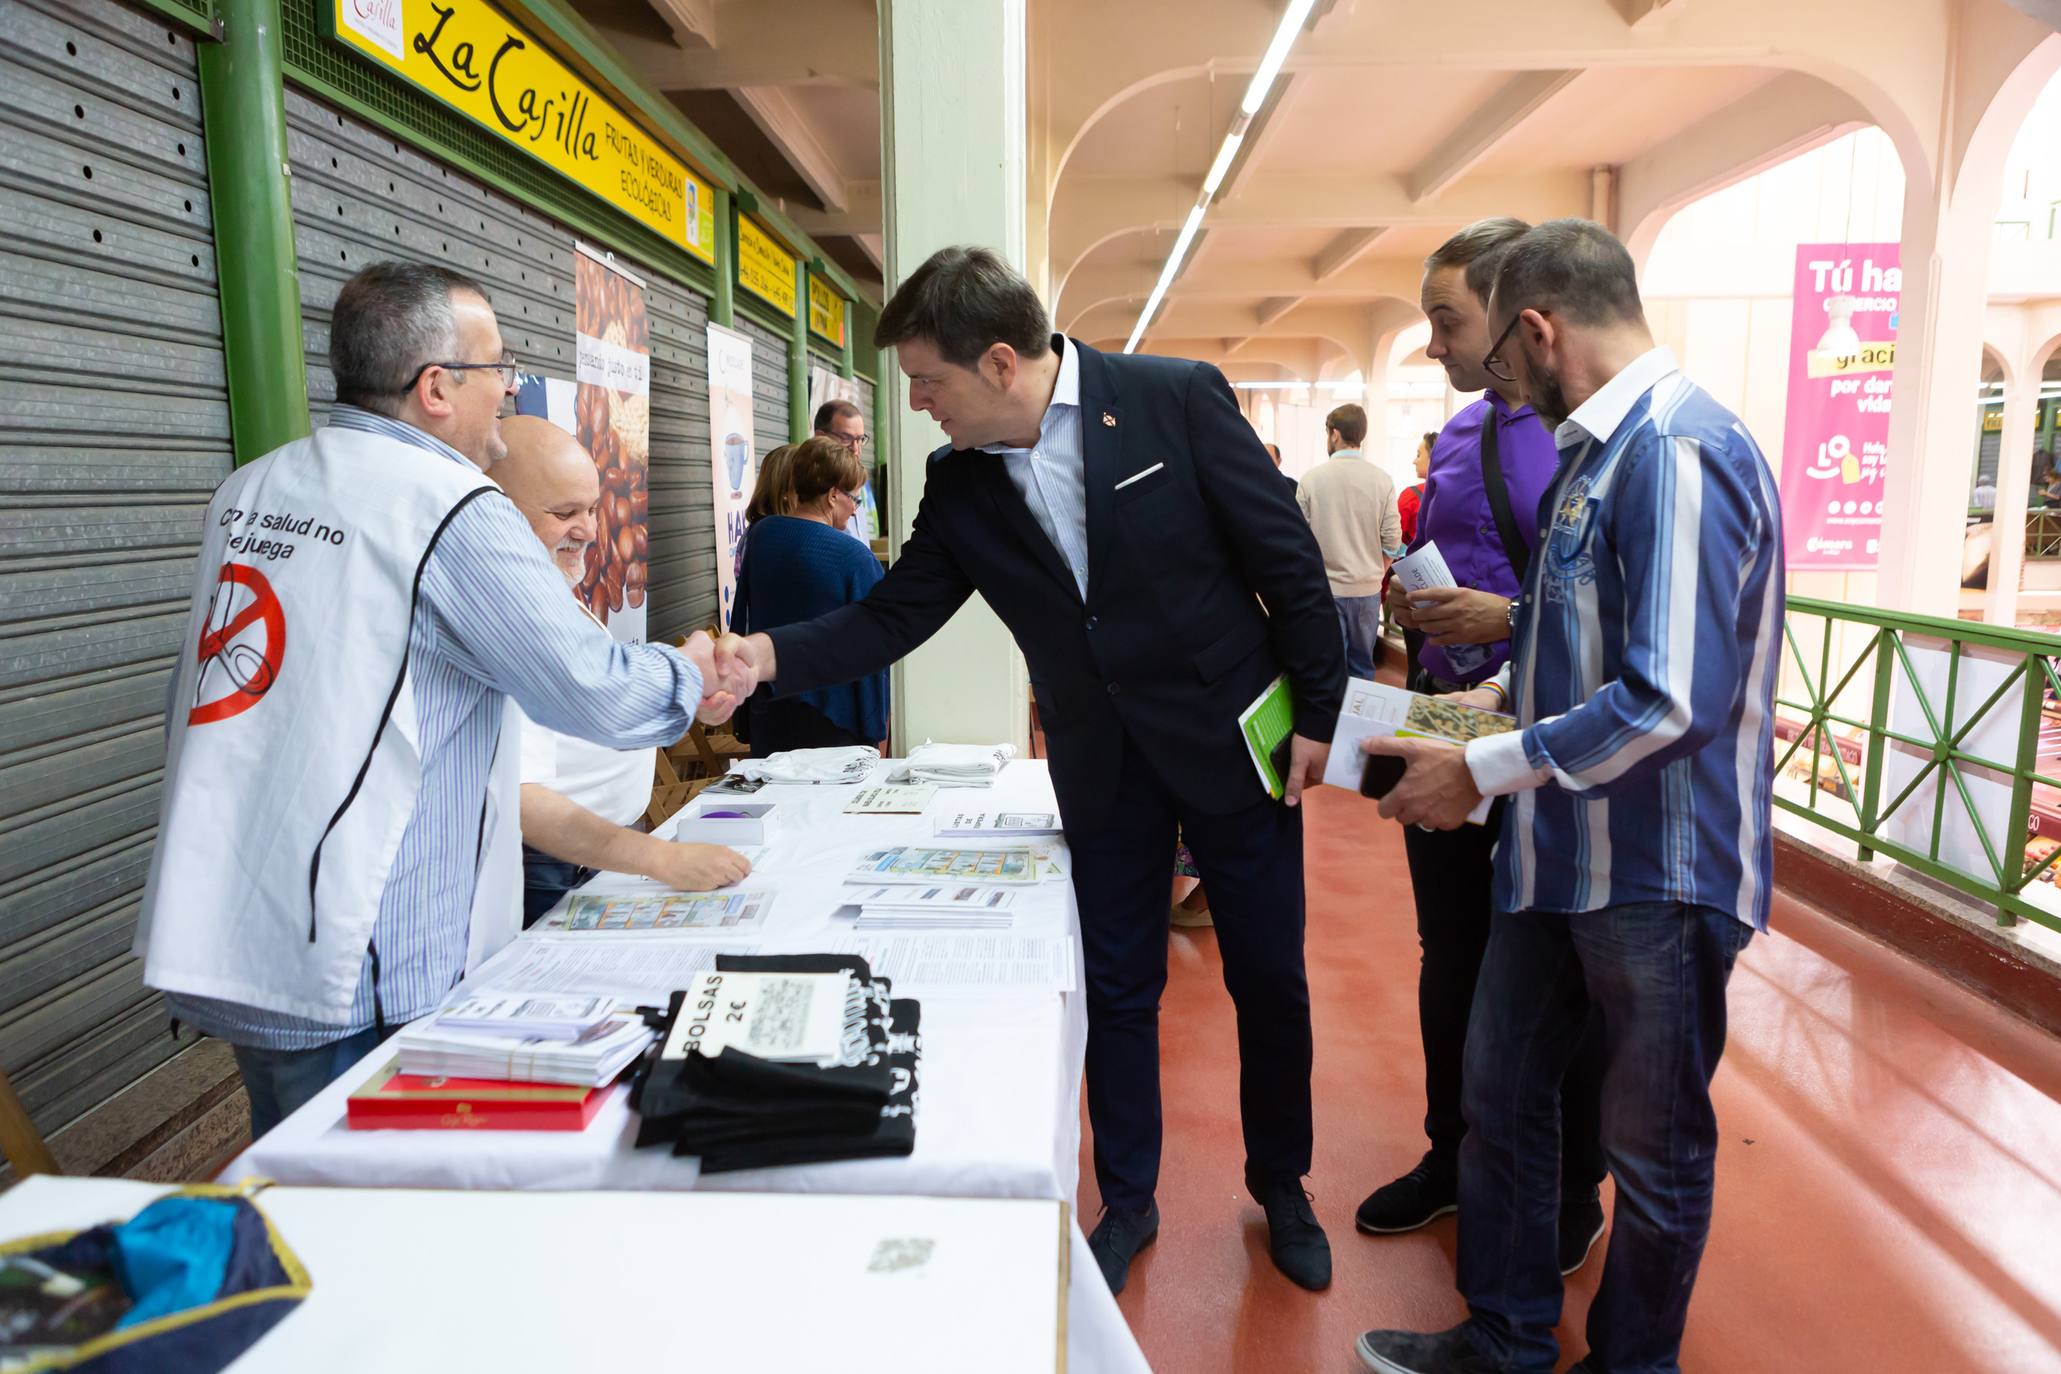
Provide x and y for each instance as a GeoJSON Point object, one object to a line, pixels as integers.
{"type": "Point", "coordinates": [1350, 504]}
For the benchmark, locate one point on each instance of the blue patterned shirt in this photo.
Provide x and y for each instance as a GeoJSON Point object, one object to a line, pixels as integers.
{"type": "Point", "coordinates": [1644, 669]}
{"type": "Point", "coordinates": [492, 620]}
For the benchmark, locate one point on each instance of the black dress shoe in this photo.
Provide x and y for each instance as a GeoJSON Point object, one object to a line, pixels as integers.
{"type": "Point", "coordinates": [1411, 1352]}
{"type": "Point", "coordinates": [1426, 1192]}
{"type": "Point", "coordinates": [1117, 1239]}
{"type": "Point", "coordinates": [1294, 1238]}
{"type": "Point", "coordinates": [1581, 1226]}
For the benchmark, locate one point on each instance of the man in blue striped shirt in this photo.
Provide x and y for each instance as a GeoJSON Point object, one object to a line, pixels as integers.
{"type": "Point", "coordinates": [1637, 847]}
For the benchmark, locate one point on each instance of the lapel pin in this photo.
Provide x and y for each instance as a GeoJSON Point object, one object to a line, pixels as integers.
{"type": "Point", "coordinates": [1108, 419]}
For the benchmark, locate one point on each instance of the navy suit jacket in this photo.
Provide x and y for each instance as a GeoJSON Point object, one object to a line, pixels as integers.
{"type": "Point", "coordinates": [1204, 584]}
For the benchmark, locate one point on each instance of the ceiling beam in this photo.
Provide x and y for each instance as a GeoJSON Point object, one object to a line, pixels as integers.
{"type": "Point", "coordinates": [763, 45]}
{"type": "Point", "coordinates": [781, 121]}
{"type": "Point", "coordinates": [693, 22]}
{"type": "Point", "coordinates": [1476, 136]}
{"type": "Point", "coordinates": [1343, 251]}
{"type": "Point", "coordinates": [861, 213]}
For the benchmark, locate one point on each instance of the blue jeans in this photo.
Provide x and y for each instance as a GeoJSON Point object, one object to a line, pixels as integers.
{"type": "Point", "coordinates": [1359, 620]}
{"type": "Point", "coordinates": [281, 1082]}
{"type": "Point", "coordinates": [1657, 973]}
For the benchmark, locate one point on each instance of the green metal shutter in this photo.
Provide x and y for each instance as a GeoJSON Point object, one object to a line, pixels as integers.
{"type": "Point", "coordinates": [360, 196]}
{"type": "Point", "coordinates": [114, 431]}
{"type": "Point", "coordinates": [769, 386]}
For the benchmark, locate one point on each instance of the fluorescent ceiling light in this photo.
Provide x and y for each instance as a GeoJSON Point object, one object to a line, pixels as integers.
{"type": "Point", "coordinates": [1166, 275]}
{"type": "Point", "coordinates": [1222, 166]}
{"type": "Point", "coordinates": [1277, 52]}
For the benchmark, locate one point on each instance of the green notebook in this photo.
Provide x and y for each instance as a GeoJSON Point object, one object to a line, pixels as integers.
{"type": "Point", "coordinates": [1266, 725]}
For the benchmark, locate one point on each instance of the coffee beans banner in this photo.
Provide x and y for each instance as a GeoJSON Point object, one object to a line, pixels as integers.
{"type": "Point", "coordinates": [612, 418]}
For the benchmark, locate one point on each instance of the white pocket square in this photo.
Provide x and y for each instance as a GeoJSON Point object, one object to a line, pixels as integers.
{"type": "Point", "coordinates": [1138, 476]}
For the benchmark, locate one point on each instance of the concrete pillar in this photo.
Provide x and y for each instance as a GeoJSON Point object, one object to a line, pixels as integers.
{"type": "Point", "coordinates": [952, 171]}
{"type": "Point", "coordinates": [1938, 365]}
{"type": "Point", "coordinates": [2014, 476]}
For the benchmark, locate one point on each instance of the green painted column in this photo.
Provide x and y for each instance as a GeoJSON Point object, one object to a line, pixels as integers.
{"type": "Point", "coordinates": [243, 114]}
{"type": "Point", "coordinates": [723, 309]}
{"type": "Point", "coordinates": [844, 359]}
{"type": "Point", "coordinates": [798, 416]}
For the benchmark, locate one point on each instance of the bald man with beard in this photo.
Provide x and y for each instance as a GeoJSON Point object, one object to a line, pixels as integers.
{"type": "Point", "coordinates": [581, 802]}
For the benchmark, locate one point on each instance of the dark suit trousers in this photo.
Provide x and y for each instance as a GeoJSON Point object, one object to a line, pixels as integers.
{"type": "Point", "coordinates": [1450, 871]}
{"type": "Point", "coordinates": [1251, 865]}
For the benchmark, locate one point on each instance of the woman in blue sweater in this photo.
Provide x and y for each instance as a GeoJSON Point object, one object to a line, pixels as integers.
{"type": "Point", "coordinates": [799, 564]}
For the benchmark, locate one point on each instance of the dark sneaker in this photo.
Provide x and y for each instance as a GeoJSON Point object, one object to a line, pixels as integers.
{"type": "Point", "coordinates": [1581, 1226]}
{"type": "Point", "coordinates": [1430, 1190]}
{"type": "Point", "coordinates": [1294, 1238]}
{"type": "Point", "coordinates": [1118, 1238]}
{"type": "Point", "coordinates": [1411, 1352]}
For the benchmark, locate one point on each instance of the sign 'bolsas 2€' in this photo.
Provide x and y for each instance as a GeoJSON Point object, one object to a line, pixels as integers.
{"type": "Point", "coordinates": [467, 55]}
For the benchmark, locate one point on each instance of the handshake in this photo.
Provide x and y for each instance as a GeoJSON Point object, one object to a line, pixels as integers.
{"type": "Point", "coordinates": [731, 669]}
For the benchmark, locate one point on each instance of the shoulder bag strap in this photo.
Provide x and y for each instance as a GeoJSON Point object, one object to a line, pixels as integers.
{"type": "Point", "coordinates": [1514, 545]}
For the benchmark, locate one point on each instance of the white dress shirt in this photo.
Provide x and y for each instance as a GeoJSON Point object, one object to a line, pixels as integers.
{"type": "Point", "coordinates": [1051, 476]}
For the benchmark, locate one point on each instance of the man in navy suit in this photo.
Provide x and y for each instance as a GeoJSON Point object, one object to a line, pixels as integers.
{"type": "Point", "coordinates": [1122, 518]}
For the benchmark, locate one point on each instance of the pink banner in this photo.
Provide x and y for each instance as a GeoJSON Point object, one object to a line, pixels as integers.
{"type": "Point", "coordinates": [1835, 446]}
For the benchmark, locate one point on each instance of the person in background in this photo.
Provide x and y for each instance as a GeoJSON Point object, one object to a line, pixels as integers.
{"type": "Point", "coordinates": [303, 910]}
{"type": "Point", "coordinates": [1273, 452]}
{"type": "Point", "coordinates": [1637, 857]}
{"type": "Point", "coordinates": [772, 491]}
{"type": "Point", "coordinates": [1487, 472]}
{"type": "Point", "coordinates": [1407, 502]}
{"type": "Point", "coordinates": [583, 804]}
{"type": "Point", "coordinates": [1350, 504]}
{"type": "Point", "coordinates": [846, 423]}
{"type": "Point", "coordinates": [797, 566]}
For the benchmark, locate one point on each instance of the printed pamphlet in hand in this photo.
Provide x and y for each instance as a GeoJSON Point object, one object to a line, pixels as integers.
{"type": "Point", "coordinates": [1373, 709]}
{"type": "Point", "coordinates": [1266, 725]}
{"type": "Point", "coordinates": [1427, 568]}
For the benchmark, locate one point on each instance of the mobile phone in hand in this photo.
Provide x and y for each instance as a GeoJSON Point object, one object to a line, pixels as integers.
{"type": "Point", "coordinates": [1382, 773]}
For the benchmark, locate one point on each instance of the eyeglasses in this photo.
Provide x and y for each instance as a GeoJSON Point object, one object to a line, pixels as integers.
{"type": "Point", "coordinates": [1492, 362]}
{"type": "Point", "coordinates": [855, 442]}
{"type": "Point", "coordinates": [505, 367]}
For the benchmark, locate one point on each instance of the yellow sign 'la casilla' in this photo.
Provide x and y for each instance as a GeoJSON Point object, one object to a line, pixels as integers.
{"type": "Point", "coordinates": [467, 55]}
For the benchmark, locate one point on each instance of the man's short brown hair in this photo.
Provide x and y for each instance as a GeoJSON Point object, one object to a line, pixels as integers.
{"type": "Point", "coordinates": [1479, 248]}
{"type": "Point", "coordinates": [965, 301]}
{"type": "Point", "coordinates": [1351, 423]}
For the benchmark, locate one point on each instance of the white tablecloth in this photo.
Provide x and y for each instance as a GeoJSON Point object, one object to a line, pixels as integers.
{"type": "Point", "coordinates": [1000, 1078]}
{"type": "Point", "coordinates": [437, 1281]}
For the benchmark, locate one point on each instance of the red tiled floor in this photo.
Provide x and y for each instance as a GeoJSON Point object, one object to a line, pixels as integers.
{"type": "Point", "coordinates": [1889, 1178]}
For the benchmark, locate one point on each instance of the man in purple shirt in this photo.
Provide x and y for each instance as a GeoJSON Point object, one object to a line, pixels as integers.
{"type": "Point", "coordinates": [1489, 471]}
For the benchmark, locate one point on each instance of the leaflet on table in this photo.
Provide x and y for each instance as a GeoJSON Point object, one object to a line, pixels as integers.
{"type": "Point", "coordinates": [1427, 568]}
{"type": "Point", "coordinates": [1372, 708]}
{"type": "Point", "coordinates": [632, 971]}
{"type": "Point", "coordinates": [919, 864]}
{"type": "Point", "coordinates": [940, 961]}
{"type": "Point", "coordinates": [791, 1017]}
{"type": "Point", "coordinates": [720, 913]}
{"type": "Point", "coordinates": [525, 1015]}
{"type": "Point", "coordinates": [907, 906]}
{"type": "Point", "coordinates": [891, 801]}
{"type": "Point", "coordinates": [1000, 825]}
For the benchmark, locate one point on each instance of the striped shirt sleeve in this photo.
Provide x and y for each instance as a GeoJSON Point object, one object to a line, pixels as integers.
{"type": "Point", "coordinates": [501, 611]}
{"type": "Point", "coordinates": [1686, 534]}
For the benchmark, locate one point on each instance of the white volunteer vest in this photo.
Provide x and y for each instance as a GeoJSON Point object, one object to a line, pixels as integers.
{"type": "Point", "coordinates": [292, 759]}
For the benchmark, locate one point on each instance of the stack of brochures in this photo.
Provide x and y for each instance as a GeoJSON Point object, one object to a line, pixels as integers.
{"type": "Point", "coordinates": [782, 1059]}
{"type": "Point", "coordinates": [941, 906]}
{"type": "Point", "coordinates": [1000, 825]}
{"type": "Point", "coordinates": [581, 1041]}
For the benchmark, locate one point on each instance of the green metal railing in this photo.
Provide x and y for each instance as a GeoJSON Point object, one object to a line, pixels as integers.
{"type": "Point", "coordinates": [2043, 533]}
{"type": "Point", "coordinates": [1850, 663]}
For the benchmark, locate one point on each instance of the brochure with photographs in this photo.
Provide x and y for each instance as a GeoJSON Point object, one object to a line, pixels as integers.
{"type": "Point", "coordinates": [1374, 709]}
{"type": "Point", "coordinates": [720, 913]}
{"type": "Point", "coordinates": [920, 864]}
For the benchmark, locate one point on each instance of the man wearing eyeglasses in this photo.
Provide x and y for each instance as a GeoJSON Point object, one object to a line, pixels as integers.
{"type": "Point", "coordinates": [846, 423]}
{"type": "Point", "coordinates": [1637, 851]}
{"type": "Point", "coordinates": [337, 835]}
